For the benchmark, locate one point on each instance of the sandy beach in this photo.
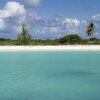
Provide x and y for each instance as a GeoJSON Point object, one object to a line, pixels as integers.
{"type": "Point", "coordinates": [51, 48]}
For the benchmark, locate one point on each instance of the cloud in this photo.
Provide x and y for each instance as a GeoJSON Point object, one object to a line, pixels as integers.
{"type": "Point", "coordinates": [96, 20]}
{"type": "Point", "coordinates": [11, 16]}
{"type": "Point", "coordinates": [57, 27]}
{"type": "Point", "coordinates": [74, 22]}
{"type": "Point", "coordinates": [34, 18]}
{"type": "Point", "coordinates": [2, 24]}
{"type": "Point", "coordinates": [96, 17]}
{"type": "Point", "coordinates": [34, 2]}
{"type": "Point", "coordinates": [12, 9]}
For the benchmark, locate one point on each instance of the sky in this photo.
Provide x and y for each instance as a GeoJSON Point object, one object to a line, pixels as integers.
{"type": "Point", "coordinates": [48, 19]}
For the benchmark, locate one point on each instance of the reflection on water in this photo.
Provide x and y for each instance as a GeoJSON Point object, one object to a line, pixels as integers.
{"type": "Point", "coordinates": [50, 76]}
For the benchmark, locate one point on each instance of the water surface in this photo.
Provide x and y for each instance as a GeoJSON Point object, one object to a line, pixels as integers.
{"type": "Point", "coordinates": [50, 75]}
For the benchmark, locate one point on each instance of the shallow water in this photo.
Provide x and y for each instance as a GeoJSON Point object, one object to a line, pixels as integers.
{"type": "Point", "coordinates": [50, 75]}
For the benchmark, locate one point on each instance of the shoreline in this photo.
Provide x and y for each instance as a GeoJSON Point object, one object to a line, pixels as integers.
{"type": "Point", "coordinates": [51, 48]}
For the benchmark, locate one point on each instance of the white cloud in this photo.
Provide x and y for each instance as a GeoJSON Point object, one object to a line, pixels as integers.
{"type": "Point", "coordinates": [74, 22]}
{"type": "Point", "coordinates": [34, 17]}
{"type": "Point", "coordinates": [60, 26]}
{"type": "Point", "coordinates": [2, 24]}
{"type": "Point", "coordinates": [12, 9]}
{"type": "Point", "coordinates": [4, 14]}
{"type": "Point", "coordinates": [57, 27]}
{"type": "Point", "coordinates": [15, 9]}
{"type": "Point", "coordinates": [96, 20]}
{"type": "Point", "coordinates": [34, 2]}
{"type": "Point", "coordinates": [96, 17]}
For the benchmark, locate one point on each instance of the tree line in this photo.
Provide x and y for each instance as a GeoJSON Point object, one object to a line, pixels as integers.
{"type": "Point", "coordinates": [25, 38]}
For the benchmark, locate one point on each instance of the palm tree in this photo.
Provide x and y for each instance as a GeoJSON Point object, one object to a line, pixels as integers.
{"type": "Point", "coordinates": [90, 29]}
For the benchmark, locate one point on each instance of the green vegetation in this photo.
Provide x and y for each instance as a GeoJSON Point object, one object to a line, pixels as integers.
{"type": "Point", "coordinates": [7, 42]}
{"type": "Point", "coordinates": [70, 39]}
{"type": "Point", "coordinates": [66, 40]}
{"type": "Point", "coordinates": [25, 38]}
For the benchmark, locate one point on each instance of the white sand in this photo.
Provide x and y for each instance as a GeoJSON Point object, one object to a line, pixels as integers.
{"type": "Point", "coordinates": [51, 48]}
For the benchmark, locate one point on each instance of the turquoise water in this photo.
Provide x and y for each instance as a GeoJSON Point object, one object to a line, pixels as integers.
{"type": "Point", "coordinates": [50, 75]}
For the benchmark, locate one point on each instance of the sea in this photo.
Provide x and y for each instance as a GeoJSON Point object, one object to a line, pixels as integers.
{"type": "Point", "coordinates": [50, 75]}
